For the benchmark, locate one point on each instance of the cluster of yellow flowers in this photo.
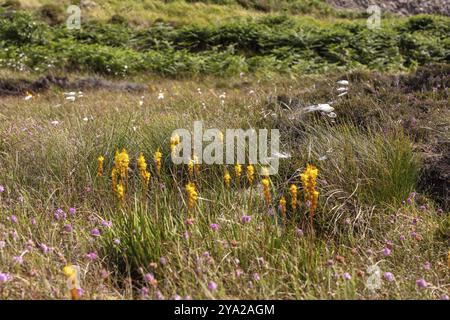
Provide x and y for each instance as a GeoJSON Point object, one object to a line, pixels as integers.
{"type": "Point", "coordinates": [308, 178]}
{"type": "Point", "coordinates": [250, 174]}
{"type": "Point", "coordinates": [283, 207]}
{"type": "Point", "coordinates": [144, 173]}
{"type": "Point", "coordinates": [157, 158]}
{"type": "Point", "coordinates": [192, 195]}
{"type": "Point", "coordinates": [227, 178]}
{"type": "Point", "coordinates": [238, 171]}
{"type": "Point", "coordinates": [174, 141]}
{"type": "Point", "coordinates": [266, 189]}
{"type": "Point", "coordinates": [119, 173]}
{"type": "Point", "coordinates": [100, 161]}
{"type": "Point", "coordinates": [293, 192]}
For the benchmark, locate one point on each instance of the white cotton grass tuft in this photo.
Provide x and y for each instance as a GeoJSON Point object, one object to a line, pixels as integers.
{"type": "Point", "coordinates": [343, 82]}
{"type": "Point", "coordinates": [323, 107]}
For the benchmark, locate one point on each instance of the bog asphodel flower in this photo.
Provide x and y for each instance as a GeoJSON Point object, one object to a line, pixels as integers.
{"type": "Point", "coordinates": [192, 195]}
{"type": "Point", "coordinates": [238, 171]}
{"type": "Point", "coordinates": [114, 178]}
{"type": "Point", "coordinates": [293, 192]}
{"type": "Point", "coordinates": [174, 141]}
{"type": "Point", "coordinates": [120, 190]}
{"type": "Point", "coordinates": [121, 162]}
{"type": "Point", "coordinates": [191, 168]}
{"type": "Point", "coordinates": [100, 161]}
{"type": "Point", "coordinates": [283, 206]}
{"type": "Point", "coordinates": [227, 178]}
{"type": "Point", "coordinates": [250, 174]}
{"type": "Point", "coordinates": [266, 190]}
{"type": "Point", "coordinates": [142, 167]}
{"type": "Point", "coordinates": [308, 178]}
{"type": "Point", "coordinates": [157, 158]}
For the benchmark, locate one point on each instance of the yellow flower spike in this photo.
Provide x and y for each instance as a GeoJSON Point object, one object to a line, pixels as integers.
{"type": "Point", "coordinates": [238, 171]}
{"type": "Point", "coordinates": [227, 178]}
{"type": "Point", "coordinates": [309, 180]}
{"type": "Point", "coordinates": [114, 179]}
{"type": "Point", "coordinates": [283, 206]}
{"type": "Point", "coordinates": [192, 195]}
{"type": "Point", "coordinates": [157, 158]}
{"type": "Point", "coordinates": [146, 177]}
{"type": "Point", "coordinates": [121, 162]}
{"type": "Point", "coordinates": [191, 168]}
{"type": "Point", "coordinates": [100, 161]}
{"type": "Point", "coordinates": [250, 174]}
{"type": "Point", "coordinates": [120, 192]}
{"type": "Point", "coordinates": [293, 191]}
{"type": "Point", "coordinates": [142, 165]}
{"type": "Point", "coordinates": [266, 189]}
{"type": "Point", "coordinates": [174, 141]}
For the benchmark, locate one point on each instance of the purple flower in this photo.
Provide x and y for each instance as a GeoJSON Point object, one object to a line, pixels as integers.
{"type": "Point", "coordinates": [72, 211]}
{"type": "Point", "coordinates": [18, 260]}
{"type": "Point", "coordinates": [212, 286]}
{"type": "Point", "coordinates": [116, 241]}
{"type": "Point", "coordinates": [162, 261]}
{"type": "Point", "coordinates": [443, 297]}
{"type": "Point", "coordinates": [414, 221]}
{"type": "Point", "coordinates": [68, 227]}
{"type": "Point", "coordinates": [308, 204]}
{"type": "Point", "coordinates": [2, 189]}
{"type": "Point", "coordinates": [386, 251]}
{"type": "Point", "coordinates": [149, 277]}
{"type": "Point", "coordinates": [144, 292]}
{"type": "Point", "coordinates": [214, 226]}
{"type": "Point", "coordinates": [4, 277]}
{"type": "Point", "coordinates": [106, 224]}
{"type": "Point", "coordinates": [298, 232]}
{"type": "Point", "coordinates": [186, 235]}
{"type": "Point", "coordinates": [44, 248]}
{"type": "Point", "coordinates": [402, 238]}
{"type": "Point", "coordinates": [423, 208]}
{"type": "Point", "coordinates": [13, 219]}
{"type": "Point", "coordinates": [92, 256]}
{"type": "Point", "coordinates": [440, 211]}
{"type": "Point", "coordinates": [347, 221]}
{"type": "Point", "coordinates": [176, 297]}
{"type": "Point", "coordinates": [2, 244]}
{"type": "Point", "coordinates": [388, 276]}
{"type": "Point", "coordinates": [95, 232]}
{"type": "Point", "coordinates": [59, 214]}
{"type": "Point", "coordinates": [246, 219]}
{"type": "Point", "coordinates": [80, 292]}
{"type": "Point", "coordinates": [421, 283]}
{"type": "Point", "coordinates": [346, 276]}
{"type": "Point", "coordinates": [190, 222]}
{"type": "Point", "coordinates": [427, 265]}
{"type": "Point", "coordinates": [33, 221]}
{"type": "Point", "coordinates": [239, 272]}
{"type": "Point", "coordinates": [256, 277]}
